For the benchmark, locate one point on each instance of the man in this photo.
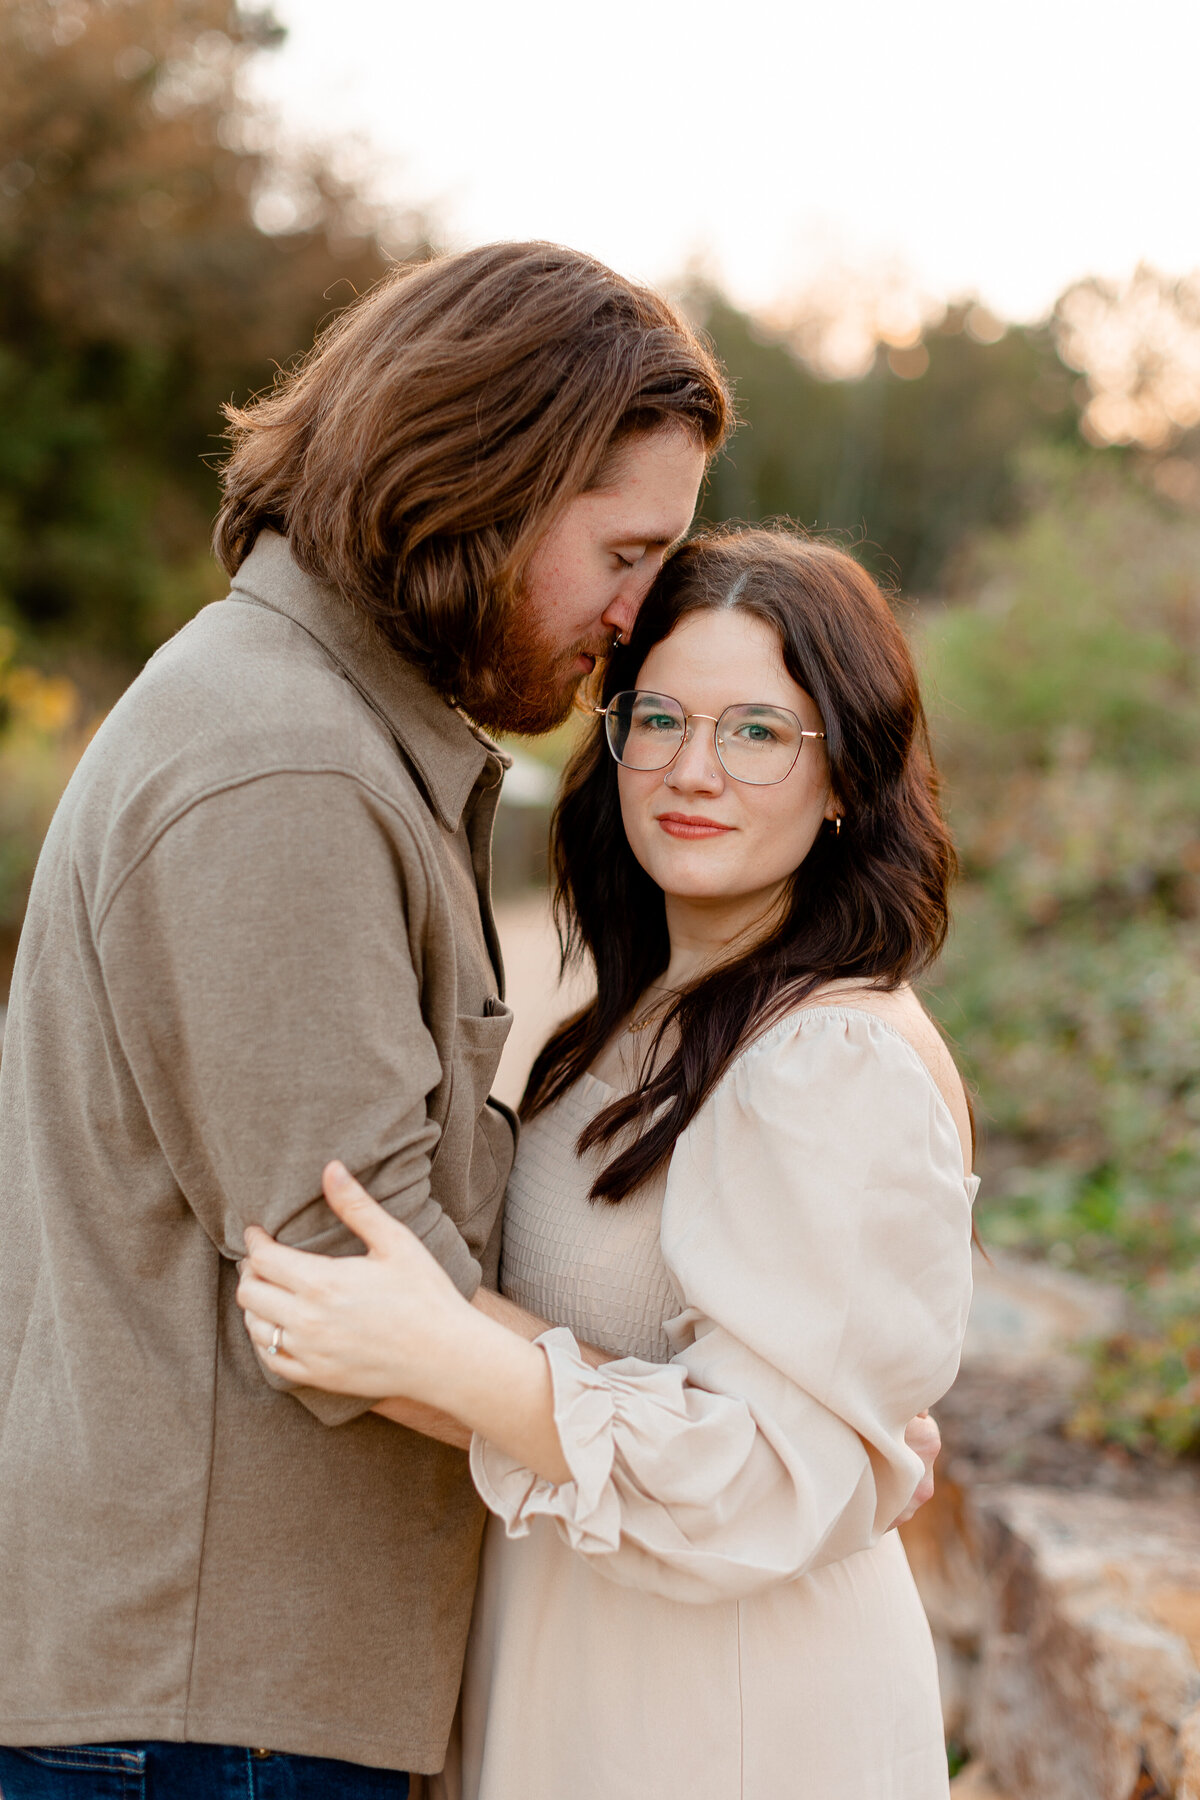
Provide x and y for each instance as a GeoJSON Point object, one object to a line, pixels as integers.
{"type": "Point", "coordinates": [260, 937]}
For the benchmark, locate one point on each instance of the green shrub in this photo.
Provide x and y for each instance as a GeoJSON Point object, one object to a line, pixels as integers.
{"type": "Point", "coordinates": [42, 736]}
{"type": "Point", "coordinates": [1066, 698]}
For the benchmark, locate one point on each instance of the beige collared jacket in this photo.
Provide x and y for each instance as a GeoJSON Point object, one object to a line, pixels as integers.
{"type": "Point", "coordinates": [259, 937]}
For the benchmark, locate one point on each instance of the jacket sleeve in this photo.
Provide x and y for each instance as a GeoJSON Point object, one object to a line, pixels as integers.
{"type": "Point", "coordinates": [262, 976]}
{"type": "Point", "coordinates": [817, 1227]}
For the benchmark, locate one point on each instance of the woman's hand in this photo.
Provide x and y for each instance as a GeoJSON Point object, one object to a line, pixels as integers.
{"type": "Point", "coordinates": [378, 1325]}
{"type": "Point", "coordinates": [922, 1435]}
{"type": "Point", "coordinates": [392, 1323]}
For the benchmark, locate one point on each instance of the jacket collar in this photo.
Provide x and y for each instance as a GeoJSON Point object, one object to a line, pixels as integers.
{"type": "Point", "coordinates": [448, 753]}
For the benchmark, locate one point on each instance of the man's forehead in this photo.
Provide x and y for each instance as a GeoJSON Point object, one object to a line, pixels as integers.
{"type": "Point", "coordinates": [650, 495]}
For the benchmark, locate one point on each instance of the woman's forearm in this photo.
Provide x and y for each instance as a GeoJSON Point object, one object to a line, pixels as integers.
{"type": "Point", "coordinates": [529, 1326]}
{"type": "Point", "coordinates": [415, 1416]}
{"type": "Point", "coordinates": [425, 1419]}
{"type": "Point", "coordinates": [498, 1384]}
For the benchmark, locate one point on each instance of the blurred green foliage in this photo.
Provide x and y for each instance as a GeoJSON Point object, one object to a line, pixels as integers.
{"type": "Point", "coordinates": [137, 292]}
{"type": "Point", "coordinates": [1065, 685]}
{"type": "Point", "coordinates": [1144, 1391]}
{"type": "Point", "coordinates": [42, 735]}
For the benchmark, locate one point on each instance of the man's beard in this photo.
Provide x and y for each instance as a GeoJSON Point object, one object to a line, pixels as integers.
{"type": "Point", "coordinates": [524, 685]}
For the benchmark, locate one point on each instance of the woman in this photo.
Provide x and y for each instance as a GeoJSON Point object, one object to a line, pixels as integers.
{"type": "Point", "coordinates": [745, 1171]}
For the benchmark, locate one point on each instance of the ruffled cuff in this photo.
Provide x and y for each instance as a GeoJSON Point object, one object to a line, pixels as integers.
{"type": "Point", "coordinates": [586, 1506]}
{"type": "Point", "coordinates": [590, 1407]}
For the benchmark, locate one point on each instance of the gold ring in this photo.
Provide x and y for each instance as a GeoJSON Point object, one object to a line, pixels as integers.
{"type": "Point", "coordinates": [276, 1342]}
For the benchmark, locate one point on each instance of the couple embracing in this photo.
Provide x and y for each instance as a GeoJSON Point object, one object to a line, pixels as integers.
{"type": "Point", "coordinates": [346, 1439]}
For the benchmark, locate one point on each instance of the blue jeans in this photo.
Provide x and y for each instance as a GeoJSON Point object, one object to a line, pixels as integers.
{"type": "Point", "coordinates": [187, 1772]}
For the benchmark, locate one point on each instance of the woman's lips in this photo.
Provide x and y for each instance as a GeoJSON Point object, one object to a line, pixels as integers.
{"type": "Point", "coordinates": [682, 825]}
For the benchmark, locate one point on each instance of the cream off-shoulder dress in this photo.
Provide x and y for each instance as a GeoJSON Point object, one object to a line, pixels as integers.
{"type": "Point", "coordinates": [714, 1607]}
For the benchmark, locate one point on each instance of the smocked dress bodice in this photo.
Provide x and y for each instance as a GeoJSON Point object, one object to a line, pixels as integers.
{"type": "Point", "coordinates": [596, 1268]}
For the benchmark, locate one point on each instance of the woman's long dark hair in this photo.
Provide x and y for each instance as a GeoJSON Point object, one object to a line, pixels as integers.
{"type": "Point", "coordinates": [870, 902]}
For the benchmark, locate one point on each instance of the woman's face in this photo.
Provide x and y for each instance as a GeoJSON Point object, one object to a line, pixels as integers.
{"type": "Point", "coordinates": [702, 836]}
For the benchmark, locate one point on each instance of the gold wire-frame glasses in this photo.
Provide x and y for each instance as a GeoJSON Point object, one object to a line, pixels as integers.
{"type": "Point", "coordinates": [756, 742]}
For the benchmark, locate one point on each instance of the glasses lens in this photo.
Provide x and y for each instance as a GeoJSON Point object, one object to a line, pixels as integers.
{"type": "Point", "coordinates": [644, 730]}
{"type": "Point", "coordinates": [758, 744]}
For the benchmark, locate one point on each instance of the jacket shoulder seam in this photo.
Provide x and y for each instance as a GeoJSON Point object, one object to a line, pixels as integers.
{"type": "Point", "coordinates": [229, 785]}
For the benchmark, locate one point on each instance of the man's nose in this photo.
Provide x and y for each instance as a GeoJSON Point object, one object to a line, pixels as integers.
{"type": "Point", "coordinates": [622, 610]}
{"type": "Point", "coordinates": [621, 613]}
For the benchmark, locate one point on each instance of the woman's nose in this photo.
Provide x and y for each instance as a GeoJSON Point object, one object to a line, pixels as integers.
{"type": "Point", "coordinates": [696, 768]}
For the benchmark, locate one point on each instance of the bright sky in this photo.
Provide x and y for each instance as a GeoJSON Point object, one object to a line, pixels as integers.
{"type": "Point", "coordinates": [1000, 149]}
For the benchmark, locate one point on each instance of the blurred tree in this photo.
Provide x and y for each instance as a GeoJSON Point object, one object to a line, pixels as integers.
{"type": "Point", "coordinates": [138, 288]}
{"type": "Point", "coordinates": [909, 457]}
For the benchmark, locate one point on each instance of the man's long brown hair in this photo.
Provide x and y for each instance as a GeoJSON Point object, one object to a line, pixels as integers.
{"type": "Point", "coordinates": [419, 452]}
{"type": "Point", "coordinates": [868, 902]}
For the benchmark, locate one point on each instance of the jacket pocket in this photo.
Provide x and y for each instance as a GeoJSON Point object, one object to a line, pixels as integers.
{"type": "Point", "coordinates": [472, 1158]}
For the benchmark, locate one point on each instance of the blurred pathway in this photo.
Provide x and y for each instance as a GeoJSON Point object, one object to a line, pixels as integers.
{"type": "Point", "coordinates": [531, 972]}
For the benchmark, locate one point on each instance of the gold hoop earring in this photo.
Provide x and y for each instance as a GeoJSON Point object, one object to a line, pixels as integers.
{"type": "Point", "coordinates": [837, 827]}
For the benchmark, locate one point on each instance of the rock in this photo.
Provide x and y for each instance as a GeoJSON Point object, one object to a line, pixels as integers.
{"type": "Point", "coordinates": [1189, 1757]}
{"type": "Point", "coordinates": [1002, 1421]}
{"type": "Point", "coordinates": [943, 1553]}
{"type": "Point", "coordinates": [1062, 1582]}
{"type": "Point", "coordinates": [1089, 1669]}
{"type": "Point", "coordinates": [976, 1783]}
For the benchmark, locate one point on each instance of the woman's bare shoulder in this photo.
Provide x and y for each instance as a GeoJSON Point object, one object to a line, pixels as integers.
{"type": "Point", "coordinates": [902, 1010]}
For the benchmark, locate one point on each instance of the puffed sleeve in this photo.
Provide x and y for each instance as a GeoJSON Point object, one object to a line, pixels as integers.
{"type": "Point", "coordinates": [817, 1228]}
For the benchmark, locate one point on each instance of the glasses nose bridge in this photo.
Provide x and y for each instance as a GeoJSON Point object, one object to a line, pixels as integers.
{"type": "Point", "coordinates": [689, 734]}
{"type": "Point", "coordinates": [687, 727]}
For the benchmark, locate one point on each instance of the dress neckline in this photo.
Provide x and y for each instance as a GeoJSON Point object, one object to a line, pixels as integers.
{"type": "Point", "coordinates": [970, 1180]}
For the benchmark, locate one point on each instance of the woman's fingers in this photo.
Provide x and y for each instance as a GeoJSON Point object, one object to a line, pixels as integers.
{"type": "Point", "coordinates": [271, 1305]}
{"type": "Point", "coordinates": [295, 1270]}
{"type": "Point", "coordinates": [270, 1345]}
{"type": "Point", "coordinates": [298, 1270]}
{"type": "Point", "coordinates": [353, 1205]}
{"type": "Point", "coordinates": [261, 1331]}
{"type": "Point", "coordinates": [350, 1324]}
{"type": "Point", "coordinates": [922, 1435]}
